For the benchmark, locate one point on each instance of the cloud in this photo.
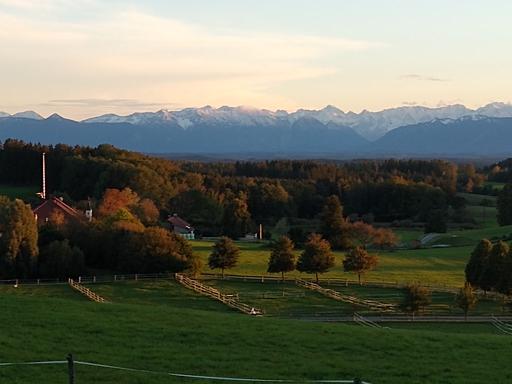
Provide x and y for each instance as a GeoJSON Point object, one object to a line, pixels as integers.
{"type": "Point", "coordinates": [414, 76]}
{"type": "Point", "coordinates": [128, 55]}
{"type": "Point", "coordinates": [130, 103]}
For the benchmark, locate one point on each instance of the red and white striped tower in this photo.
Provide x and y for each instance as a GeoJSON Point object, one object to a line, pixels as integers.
{"type": "Point", "coordinates": [43, 192]}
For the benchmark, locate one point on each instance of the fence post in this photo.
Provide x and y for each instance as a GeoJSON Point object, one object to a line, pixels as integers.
{"type": "Point", "coordinates": [71, 369]}
{"type": "Point", "coordinates": [136, 277]}
{"type": "Point", "coordinates": [115, 277]}
{"type": "Point", "coordinates": [94, 279]}
{"type": "Point", "coordinates": [37, 281]}
{"type": "Point", "coordinates": [79, 279]}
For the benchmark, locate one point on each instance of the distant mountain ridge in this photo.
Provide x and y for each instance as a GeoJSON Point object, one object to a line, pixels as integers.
{"type": "Point", "coordinates": [329, 131]}
{"type": "Point", "coordinates": [370, 125]}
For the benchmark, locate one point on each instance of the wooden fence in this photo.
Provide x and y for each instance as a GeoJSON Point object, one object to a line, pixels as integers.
{"type": "Point", "coordinates": [372, 304]}
{"type": "Point", "coordinates": [86, 291]}
{"type": "Point", "coordinates": [230, 300]}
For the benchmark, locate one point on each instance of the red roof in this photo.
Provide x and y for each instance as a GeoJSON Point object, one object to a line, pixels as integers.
{"type": "Point", "coordinates": [178, 222]}
{"type": "Point", "coordinates": [44, 210]}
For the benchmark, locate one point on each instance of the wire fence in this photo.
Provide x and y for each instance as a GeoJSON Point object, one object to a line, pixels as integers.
{"type": "Point", "coordinates": [71, 363]}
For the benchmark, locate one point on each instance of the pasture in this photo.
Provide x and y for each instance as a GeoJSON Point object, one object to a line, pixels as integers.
{"type": "Point", "coordinates": [161, 326]}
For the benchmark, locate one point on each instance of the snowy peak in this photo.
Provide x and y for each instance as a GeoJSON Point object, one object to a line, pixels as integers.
{"type": "Point", "coordinates": [496, 110]}
{"type": "Point", "coordinates": [28, 115]}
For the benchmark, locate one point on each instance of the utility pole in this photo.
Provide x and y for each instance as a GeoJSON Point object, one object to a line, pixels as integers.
{"type": "Point", "coordinates": [71, 369]}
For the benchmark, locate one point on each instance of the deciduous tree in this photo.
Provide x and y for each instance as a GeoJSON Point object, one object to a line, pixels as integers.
{"type": "Point", "coordinates": [416, 298]}
{"type": "Point", "coordinates": [18, 238]}
{"type": "Point", "coordinates": [224, 255]}
{"type": "Point", "coordinates": [358, 260]}
{"type": "Point", "coordinates": [466, 299]}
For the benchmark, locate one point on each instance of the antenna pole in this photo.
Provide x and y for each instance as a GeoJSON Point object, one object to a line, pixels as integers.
{"type": "Point", "coordinates": [44, 177]}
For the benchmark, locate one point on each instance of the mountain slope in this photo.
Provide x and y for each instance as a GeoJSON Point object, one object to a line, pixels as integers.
{"type": "Point", "coordinates": [303, 136]}
{"type": "Point", "coordinates": [465, 136]}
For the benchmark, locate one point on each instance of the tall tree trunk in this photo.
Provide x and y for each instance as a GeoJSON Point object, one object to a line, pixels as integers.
{"type": "Point", "coordinates": [282, 276]}
{"type": "Point", "coordinates": [359, 278]}
{"type": "Point", "coordinates": [222, 273]}
{"type": "Point", "coordinates": [316, 273]}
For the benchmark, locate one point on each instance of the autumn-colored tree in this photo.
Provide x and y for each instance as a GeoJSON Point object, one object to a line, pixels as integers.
{"type": "Point", "coordinates": [224, 255]}
{"type": "Point", "coordinates": [18, 238]}
{"type": "Point", "coordinates": [114, 199]}
{"type": "Point", "coordinates": [147, 212]}
{"type": "Point", "coordinates": [358, 260]}
{"type": "Point", "coordinates": [384, 238]}
{"type": "Point", "coordinates": [317, 256]}
{"type": "Point", "coordinates": [416, 298]}
{"type": "Point", "coordinates": [362, 234]}
{"type": "Point", "coordinates": [282, 258]}
{"type": "Point", "coordinates": [466, 299]}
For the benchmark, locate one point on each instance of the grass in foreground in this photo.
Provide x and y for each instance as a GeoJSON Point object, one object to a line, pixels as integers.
{"type": "Point", "coordinates": [39, 324]}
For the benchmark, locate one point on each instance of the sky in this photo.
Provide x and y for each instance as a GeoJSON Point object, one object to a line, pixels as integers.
{"type": "Point", "coordinates": [82, 58]}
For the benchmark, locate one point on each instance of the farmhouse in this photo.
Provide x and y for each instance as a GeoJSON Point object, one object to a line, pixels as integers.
{"type": "Point", "coordinates": [181, 227]}
{"type": "Point", "coordinates": [56, 211]}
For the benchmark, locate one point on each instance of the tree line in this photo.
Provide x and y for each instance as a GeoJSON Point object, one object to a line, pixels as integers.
{"type": "Point", "coordinates": [232, 198]}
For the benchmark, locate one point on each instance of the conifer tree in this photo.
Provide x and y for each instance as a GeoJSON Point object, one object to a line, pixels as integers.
{"type": "Point", "coordinates": [317, 256]}
{"type": "Point", "coordinates": [224, 255]}
{"type": "Point", "coordinates": [282, 258]}
{"type": "Point", "coordinates": [334, 226]}
{"type": "Point", "coordinates": [504, 205]}
{"type": "Point", "coordinates": [493, 272]}
{"type": "Point", "coordinates": [478, 262]}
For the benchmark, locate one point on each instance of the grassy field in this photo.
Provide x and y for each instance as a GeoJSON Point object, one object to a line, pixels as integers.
{"type": "Point", "coordinates": [159, 326]}
{"type": "Point", "coordinates": [20, 192]}
{"type": "Point", "coordinates": [433, 266]}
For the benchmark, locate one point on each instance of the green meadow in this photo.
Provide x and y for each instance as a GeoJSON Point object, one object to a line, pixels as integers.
{"type": "Point", "coordinates": [161, 326]}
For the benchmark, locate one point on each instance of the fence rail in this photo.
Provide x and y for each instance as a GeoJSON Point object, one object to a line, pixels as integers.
{"type": "Point", "coordinates": [230, 300]}
{"type": "Point", "coordinates": [372, 304]}
{"type": "Point", "coordinates": [246, 278]}
{"type": "Point", "coordinates": [86, 291]}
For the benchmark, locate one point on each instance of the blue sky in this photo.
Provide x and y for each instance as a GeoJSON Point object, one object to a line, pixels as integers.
{"type": "Point", "coordinates": [86, 57]}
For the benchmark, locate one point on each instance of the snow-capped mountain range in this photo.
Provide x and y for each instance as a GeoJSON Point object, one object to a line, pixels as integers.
{"type": "Point", "coordinates": [370, 125]}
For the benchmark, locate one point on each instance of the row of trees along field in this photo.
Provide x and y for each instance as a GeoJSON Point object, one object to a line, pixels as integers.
{"type": "Point", "coordinates": [316, 258]}
{"type": "Point", "coordinates": [230, 198]}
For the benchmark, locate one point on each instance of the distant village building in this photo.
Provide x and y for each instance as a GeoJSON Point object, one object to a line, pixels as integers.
{"type": "Point", "coordinates": [56, 211]}
{"type": "Point", "coordinates": [181, 227]}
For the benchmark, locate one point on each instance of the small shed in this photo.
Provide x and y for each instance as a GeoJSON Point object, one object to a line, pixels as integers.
{"type": "Point", "coordinates": [181, 227]}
